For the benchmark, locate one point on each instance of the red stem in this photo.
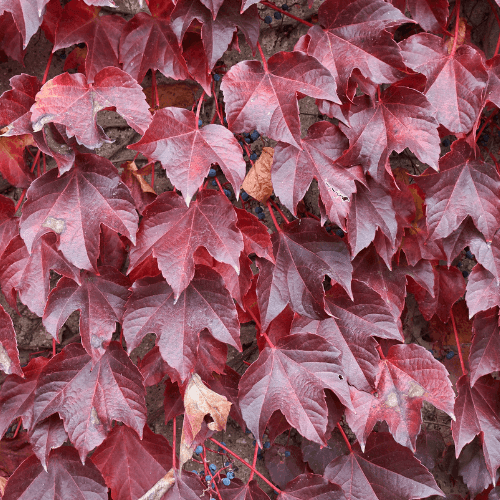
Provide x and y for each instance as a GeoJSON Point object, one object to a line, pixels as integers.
{"type": "Point", "coordinates": [21, 198]}
{"type": "Point", "coordinates": [198, 108]}
{"type": "Point", "coordinates": [264, 62]}
{"type": "Point", "coordinates": [17, 428]}
{"type": "Point", "coordinates": [218, 184]}
{"type": "Point", "coordinates": [247, 464]}
{"type": "Point", "coordinates": [379, 349]}
{"type": "Point", "coordinates": [279, 210]}
{"type": "Point", "coordinates": [268, 339]}
{"type": "Point", "coordinates": [254, 463]}
{"type": "Point", "coordinates": [35, 160]}
{"type": "Point", "coordinates": [284, 12]}
{"type": "Point", "coordinates": [345, 437]}
{"type": "Point", "coordinates": [309, 214]}
{"type": "Point", "coordinates": [256, 321]}
{"type": "Point", "coordinates": [174, 441]}
{"type": "Point", "coordinates": [49, 62]}
{"type": "Point", "coordinates": [486, 123]}
{"type": "Point", "coordinates": [457, 23]}
{"type": "Point", "coordinates": [273, 217]}
{"type": "Point", "coordinates": [246, 362]}
{"type": "Point", "coordinates": [464, 371]}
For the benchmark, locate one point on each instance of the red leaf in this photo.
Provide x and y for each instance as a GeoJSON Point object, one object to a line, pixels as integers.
{"type": "Point", "coordinates": [483, 291]}
{"type": "Point", "coordinates": [356, 41]}
{"type": "Point", "coordinates": [66, 478]}
{"type": "Point", "coordinates": [187, 487]}
{"type": "Point", "coordinates": [291, 377]}
{"type": "Point", "coordinates": [101, 301]}
{"type": "Point", "coordinates": [73, 102]}
{"type": "Point", "coordinates": [75, 205]}
{"type": "Point", "coordinates": [113, 249]}
{"type": "Point", "coordinates": [477, 409]}
{"type": "Point", "coordinates": [186, 152]}
{"type": "Point", "coordinates": [152, 366]}
{"type": "Point", "coordinates": [484, 354]}
{"type": "Point", "coordinates": [386, 470]}
{"type": "Point", "coordinates": [9, 355]}
{"type": "Point", "coordinates": [238, 490]}
{"type": "Point", "coordinates": [284, 468]}
{"type": "Point", "coordinates": [205, 303]}
{"type": "Point", "coordinates": [408, 376]}
{"type": "Point", "coordinates": [455, 82]}
{"type": "Point", "coordinates": [9, 224]}
{"type": "Point", "coordinates": [89, 397]}
{"type": "Point", "coordinates": [264, 98]}
{"type": "Point", "coordinates": [430, 14]}
{"type": "Point", "coordinates": [293, 170]}
{"type": "Point", "coordinates": [472, 468]}
{"type": "Point", "coordinates": [13, 167]}
{"type": "Point", "coordinates": [256, 238]}
{"type": "Point", "coordinates": [311, 487]}
{"type": "Point", "coordinates": [82, 23]}
{"type": "Point", "coordinates": [123, 459]}
{"type": "Point", "coordinates": [13, 452]}
{"type": "Point", "coordinates": [304, 254]}
{"type": "Point", "coordinates": [11, 40]}
{"type": "Point", "coordinates": [487, 254]}
{"type": "Point", "coordinates": [173, 403]}
{"type": "Point", "coordinates": [172, 233]}
{"type": "Point", "coordinates": [148, 42]}
{"type": "Point", "coordinates": [47, 435]}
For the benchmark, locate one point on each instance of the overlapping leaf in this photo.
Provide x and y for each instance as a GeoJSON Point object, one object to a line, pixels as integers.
{"type": "Point", "coordinates": [483, 291]}
{"type": "Point", "coordinates": [186, 151]}
{"type": "Point", "coordinates": [9, 224]}
{"type": "Point", "coordinates": [430, 14]}
{"type": "Point", "coordinates": [13, 167]}
{"type": "Point", "coordinates": [311, 487]}
{"type": "Point", "coordinates": [9, 355]}
{"type": "Point", "coordinates": [47, 435]}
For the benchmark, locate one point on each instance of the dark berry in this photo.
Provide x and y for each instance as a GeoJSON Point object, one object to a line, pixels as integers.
{"type": "Point", "coordinates": [459, 265]}
{"type": "Point", "coordinates": [450, 354]}
{"type": "Point", "coordinates": [242, 144]}
{"type": "Point", "coordinates": [285, 6]}
{"type": "Point", "coordinates": [227, 193]}
{"type": "Point", "coordinates": [267, 445]}
{"type": "Point", "coordinates": [446, 142]}
{"type": "Point", "coordinates": [244, 197]}
{"type": "Point", "coordinates": [465, 274]}
{"type": "Point", "coordinates": [208, 477]}
{"type": "Point", "coordinates": [199, 449]}
{"type": "Point", "coordinates": [245, 134]}
{"type": "Point", "coordinates": [261, 216]}
{"type": "Point", "coordinates": [226, 481]}
{"type": "Point", "coordinates": [63, 56]}
{"type": "Point", "coordinates": [212, 467]}
{"type": "Point", "coordinates": [469, 255]}
{"type": "Point", "coordinates": [214, 183]}
{"type": "Point", "coordinates": [217, 77]}
{"type": "Point", "coordinates": [287, 453]}
{"type": "Point", "coordinates": [268, 19]}
{"type": "Point", "coordinates": [258, 210]}
{"type": "Point", "coordinates": [220, 449]}
{"type": "Point", "coordinates": [200, 123]}
{"type": "Point", "coordinates": [277, 15]}
{"type": "Point", "coordinates": [212, 172]}
{"type": "Point", "coordinates": [195, 472]}
{"type": "Point", "coordinates": [225, 121]}
{"type": "Point", "coordinates": [81, 45]}
{"type": "Point", "coordinates": [254, 135]}
{"type": "Point", "coordinates": [253, 156]}
{"type": "Point", "coordinates": [227, 464]}
{"type": "Point", "coordinates": [339, 232]}
{"type": "Point", "coordinates": [248, 140]}
{"type": "Point", "coordinates": [230, 475]}
{"type": "Point", "coordinates": [247, 431]}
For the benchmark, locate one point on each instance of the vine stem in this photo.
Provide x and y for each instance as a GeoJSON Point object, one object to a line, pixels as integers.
{"type": "Point", "coordinates": [284, 12]}
{"type": "Point", "coordinates": [486, 123]}
{"type": "Point", "coordinates": [198, 108]}
{"type": "Point", "coordinates": [49, 62]}
{"type": "Point", "coordinates": [256, 321]}
{"type": "Point", "coordinates": [345, 437]}
{"type": "Point", "coordinates": [457, 24]}
{"type": "Point", "coordinates": [269, 206]}
{"type": "Point", "coordinates": [379, 349]}
{"type": "Point", "coordinates": [244, 462]}
{"type": "Point", "coordinates": [264, 62]}
{"type": "Point", "coordinates": [457, 340]}
{"type": "Point", "coordinates": [285, 219]}
{"type": "Point", "coordinates": [254, 463]}
{"type": "Point", "coordinates": [17, 428]}
{"type": "Point", "coordinates": [21, 198]}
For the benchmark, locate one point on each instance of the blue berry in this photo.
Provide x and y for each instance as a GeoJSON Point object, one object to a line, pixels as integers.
{"type": "Point", "coordinates": [247, 431]}
{"type": "Point", "coordinates": [261, 216]}
{"type": "Point", "coordinates": [450, 354]}
{"type": "Point", "coordinates": [226, 481]}
{"type": "Point", "coordinates": [244, 197]}
{"type": "Point", "coordinates": [277, 15]}
{"type": "Point", "coordinates": [285, 6]}
{"type": "Point", "coordinates": [212, 467]}
{"type": "Point", "coordinates": [217, 77]}
{"type": "Point", "coordinates": [195, 472]}
{"type": "Point", "coordinates": [254, 135]}
{"type": "Point", "coordinates": [222, 450]}
{"type": "Point", "coordinates": [208, 478]}
{"type": "Point", "coordinates": [225, 121]}
{"type": "Point", "coordinates": [199, 449]}
{"type": "Point", "coordinates": [287, 453]}
{"type": "Point", "coordinates": [268, 19]}
{"type": "Point", "coordinates": [258, 210]}
{"type": "Point", "coordinates": [465, 274]}
{"type": "Point", "coordinates": [339, 232]}
{"type": "Point", "coordinates": [446, 142]}
{"type": "Point", "coordinates": [267, 445]}
{"type": "Point", "coordinates": [254, 442]}
{"type": "Point", "coordinates": [248, 140]}
{"type": "Point", "coordinates": [227, 193]}
{"type": "Point", "coordinates": [212, 172]}
{"type": "Point", "coordinates": [230, 475]}
{"type": "Point", "coordinates": [469, 255]}
{"type": "Point", "coordinates": [459, 265]}
{"type": "Point", "coordinates": [253, 156]}
{"type": "Point", "coordinates": [214, 183]}
{"type": "Point", "coordinates": [245, 134]}
{"type": "Point", "coordinates": [242, 144]}
{"type": "Point", "coordinates": [200, 122]}
{"type": "Point", "coordinates": [63, 56]}
{"type": "Point", "coordinates": [260, 456]}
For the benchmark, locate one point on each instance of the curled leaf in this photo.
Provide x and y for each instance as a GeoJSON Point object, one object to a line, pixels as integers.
{"type": "Point", "coordinates": [258, 183]}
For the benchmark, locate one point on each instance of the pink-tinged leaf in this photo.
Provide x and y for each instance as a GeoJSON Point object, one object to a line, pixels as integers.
{"type": "Point", "coordinates": [430, 14]}
{"type": "Point", "coordinates": [187, 487]}
{"type": "Point", "coordinates": [172, 233]}
{"type": "Point", "coordinates": [123, 459]}
{"type": "Point", "coordinates": [9, 224]}
{"type": "Point", "coordinates": [11, 40]}
{"type": "Point", "coordinates": [152, 366]}
{"type": "Point", "coordinates": [238, 490]}
{"type": "Point", "coordinates": [291, 377]}
{"type": "Point", "coordinates": [83, 23]}
{"type": "Point", "coordinates": [265, 99]}
{"type": "Point", "coordinates": [101, 301]}
{"type": "Point", "coordinates": [186, 152]}
{"type": "Point", "coordinates": [148, 42]}
{"type": "Point", "coordinates": [408, 376]}
{"type": "Point", "coordinates": [27, 14]}
{"type": "Point", "coordinates": [13, 167]}
{"type": "Point", "coordinates": [371, 209]}
{"type": "Point", "coordinates": [294, 169]}
{"type": "Point", "coordinates": [484, 354]}
{"type": "Point", "coordinates": [488, 255]}
{"type": "Point", "coordinates": [217, 31]}
{"type": "Point", "coordinates": [385, 471]}
{"type": "Point", "coordinates": [455, 82]}
{"type": "Point", "coordinates": [205, 303]}
{"type": "Point", "coordinates": [30, 274]}
{"type": "Point", "coordinates": [477, 409]}
{"type": "Point", "coordinates": [74, 102]}
{"type": "Point", "coordinates": [9, 355]}
{"type": "Point", "coordinates": [75, 205]}
{"type": "Point", "coordinates": [66, 478]}
{"type": "Point", "coordinates": [53, 12]}
{"type": "Point", "coordinates": [402, 118]}
{"type": "Point", "coordinates": [465, 235]}
{"type": "Point", "coordinates": [89, 397]}
{"type": "Point", "coordinates": [304, 254]}
{"type": "Point", "coordinates": [46, 436]}
{"type": "Point", "coordinates": [483, 291]}
{"type": "Point", "coordinates": [472, 467]}
{"type": "Point", "coordinates": [449, 286]}
{"type": "Point", "coordinates": [256, 238]}
{"type": "Point", "coordinates": [311, 487]}
{"type": "Point", "coordinates": [17, 395]}
{"type": "Point", "coordinates": [284, 468]}
{"type": "Point", "coordinates": [356, 39]}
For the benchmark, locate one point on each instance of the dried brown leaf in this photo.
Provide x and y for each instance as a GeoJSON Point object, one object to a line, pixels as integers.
{"type": "Point", "coordinates": [258, 183]}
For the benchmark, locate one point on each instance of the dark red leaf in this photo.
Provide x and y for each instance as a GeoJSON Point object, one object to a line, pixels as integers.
{"type": "Point", "coordinates": [9, 355]}
{"type": "Point", "coordinates": [304, 254]}
{"type": "Point", "coordinates": [53, 12]}
{"type": "Point", "coordinates": [152, 366]}
{"type": "Point", "coordinates": [284, 468]}
{"type": "Point", "coordinates": [318, 457]}
{"type": "Point", "coordinates": [9, 224]}
{"type": "Point", "coordinates": [477, 410]}
{"type": "Point", "coordinates": [408, 376]}
{"type": "Point", "coordinates": [205, 303]}
{"type": "Point", "coordinates": [11, 40]}
{"type": "Point", "coordinates": [148, 42]}
{"type": "Point", "coordinates": [385, 471]}
{"type": "Point", "coordinates": [483, 291]}
{"type": "Point", "coordinates": [472, 468]}
{"type": "Point", "coordinates": [455, 82]}
{"type": "Point", "coordinates": [123, 459]}
{"type": "Point", "coordinates": [113, 251]}
{"type": "Point", "coordinates": [173, 402]}
{"type": "Point", "coordinates": [291, 377]}
{"type": "Point", "coordinates": [430, 447]}
{"type": "Point", "coordinates": [187, 487]}
{"type": "Point", "coordinates": [73, 102]}
{"type": "Point", "coordinates": [83, 23]}
{"type": "Point", "coordinates": [293, 171]}
{"type": "Point", "coordinates": [211, 357]}
{"type": "Point", "coordinates": [311, 487]}
{"type": "Point", "coordinates": [101, 301]}
{"type": "Point", "coordinates": [238, 490]}
{"type": "Point", "coordinates": [256, 238]}
{"type": "Point", "coordinates": [67, 477]}
{"type": "Point", "coordinates": [172, 233]}
{"type": "Point", "coordinates": [88, 397]}
{"type": "Point", "coordinates": [47, 435]}
{"type": "Point", "coordinates": [75, 205]}
{"type": "Point", "coordinates": [264, 98]}
{"type": "Point", "coordinates": [141, 191]}
{"type": "Point", "coordinates": [13, 452]}
{"type": "Point", "coordinates": [487, 254]}
{"type": "Point", "coordinates": [186, 151]}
